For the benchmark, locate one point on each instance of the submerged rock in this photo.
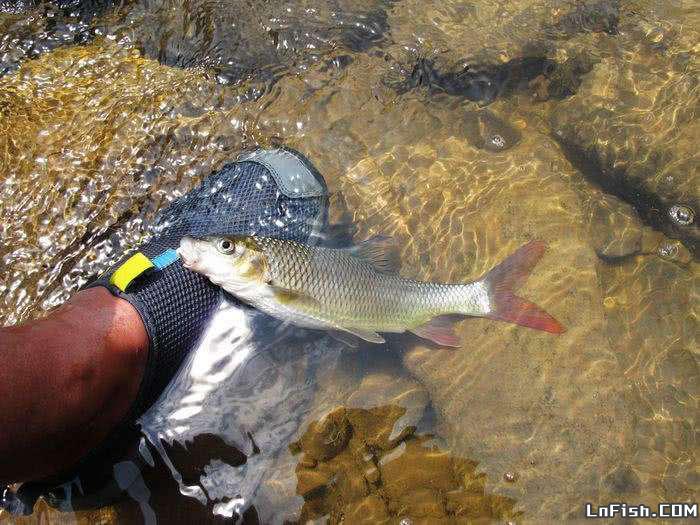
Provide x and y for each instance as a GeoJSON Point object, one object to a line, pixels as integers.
{"type": "Point", "coordinates": [116, 168]}
{"type": "Point", "coordinates": [485, 130]}
{"type": "Point", "coordinates": [485, 83]}
{"type": "Point", "coordinates": [623, 480]}
{"type": "Point", "coordinates": [478, 83]}
{"type": "Point", "coordinates": [243, 44]}
{"type": "Point", "coordinates": [234, 42]}
{"type": "Point", "coordinates": [483, 51]}
{"type": "Point", "coordinates": [328, 436]}
{"type": "Point", "coordinates": [540, 77]}
{"type": "Point", "coordinates": [632, 131]}
{"type": "Point", "coordinates": [616, 231]}
{"type": "Point", "coordinates": [600, 16]}
{"type": "Point", "coordinates": [365, 403]}
{"type": "Point", "coordinates": [391, 389]}
{"type": "Point", "coordinates": [371, 509]}
{"type": "Point", "coordinates": [376, 480]}
{"type": "Point", "coordinates": [564, 80]}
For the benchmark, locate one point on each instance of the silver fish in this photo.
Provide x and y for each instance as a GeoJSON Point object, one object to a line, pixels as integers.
{"type": "Point", "coordinates": [358, 290]}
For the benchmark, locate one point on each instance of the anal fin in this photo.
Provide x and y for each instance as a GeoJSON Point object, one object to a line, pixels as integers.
{"type": "Point", "coordinates": [439, 330]}
{"type": "Point", "coordinates": [367, 335]}
{"type": "Point", "coordinates": [344, 337]}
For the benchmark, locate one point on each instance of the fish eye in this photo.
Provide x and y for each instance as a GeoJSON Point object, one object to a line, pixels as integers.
{"type": "Point", "coordinates": [225, 246]}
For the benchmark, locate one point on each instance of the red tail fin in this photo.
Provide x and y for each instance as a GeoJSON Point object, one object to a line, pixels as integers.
{"type": "Point", "coordinates": [508, 276]}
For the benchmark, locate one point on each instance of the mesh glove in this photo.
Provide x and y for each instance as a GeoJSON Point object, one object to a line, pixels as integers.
{"type": "Point", "coordinates": [275, 193]}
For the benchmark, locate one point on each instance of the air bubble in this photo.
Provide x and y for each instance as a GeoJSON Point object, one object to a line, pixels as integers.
{"type": "Point", "coordinates": [682, 215]}
{"type": "Point", "coordinates": [668, 250]}
{"type": "Point", "coordinates": [510, 477]}
{"type": "Point", "coordinates": [498, 141]}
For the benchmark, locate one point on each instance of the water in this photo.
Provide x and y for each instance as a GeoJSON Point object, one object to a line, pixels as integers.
{"type": "Point", "coordinates": [463, 129]}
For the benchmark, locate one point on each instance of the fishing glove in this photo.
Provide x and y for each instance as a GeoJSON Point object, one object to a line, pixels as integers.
{"type": "Point", "coordinates": [275, 193]}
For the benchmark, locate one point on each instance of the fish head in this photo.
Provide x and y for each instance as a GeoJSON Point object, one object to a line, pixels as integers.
{"type": "Point", "coordinates": [231, 262]}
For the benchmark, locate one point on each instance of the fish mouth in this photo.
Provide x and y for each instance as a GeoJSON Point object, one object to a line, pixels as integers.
{"type": "Point", "coordinates": [188, 252]}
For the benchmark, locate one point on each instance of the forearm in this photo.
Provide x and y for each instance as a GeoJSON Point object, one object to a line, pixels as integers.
{"type": "Point", "coordinates": [66, 381]}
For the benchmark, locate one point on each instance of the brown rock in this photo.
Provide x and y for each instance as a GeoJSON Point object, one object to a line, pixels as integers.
{"type": "Point", "coordinates": [487, 131]}
{"type": "Point", "coordinates": [372, 475]}
{"type": "Point", "coordinates": [368, 510]}
{"type": "Point", "coordinates": [616, 231]}
{"type": "Point", "coordinates": [391, 389]}
{"type": "Point", "coordinates": [311, 481]}
{"type": "Point", "coordinates": [351, 484]}
{"type": "Point", "coordinates": [327, 437]}
{"type": "Point", "coordinates": [423, 503]}
{"type": "Point", "coordinates": [410, 466]}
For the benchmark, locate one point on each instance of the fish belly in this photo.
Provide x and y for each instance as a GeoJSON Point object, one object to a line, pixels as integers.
{"type": "Point", "coordinates": [293, 315]}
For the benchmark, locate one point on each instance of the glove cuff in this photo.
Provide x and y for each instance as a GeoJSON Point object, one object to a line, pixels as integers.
{"type": "Point", "coordinates": [174, 305]}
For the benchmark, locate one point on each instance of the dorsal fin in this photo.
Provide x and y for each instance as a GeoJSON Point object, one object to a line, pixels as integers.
{"type": "Point", "coordinates": [381, 252]}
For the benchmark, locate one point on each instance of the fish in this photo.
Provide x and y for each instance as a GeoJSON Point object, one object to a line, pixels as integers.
{"type": "Point", "coordinates": [358, 290]}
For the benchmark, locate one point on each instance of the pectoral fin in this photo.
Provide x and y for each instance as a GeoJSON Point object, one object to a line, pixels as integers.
{"type": "Point", "coordinates": [439, 330]}
{"type": "Point", "coordinates": [290, 297]}
{"type": "Point", "coordinates": [300, 300]}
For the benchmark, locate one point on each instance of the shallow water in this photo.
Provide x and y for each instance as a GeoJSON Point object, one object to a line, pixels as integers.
{"type": "Point", "coordinates": [464, 130]}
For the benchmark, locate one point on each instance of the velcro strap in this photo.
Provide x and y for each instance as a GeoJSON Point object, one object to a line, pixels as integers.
{"type": "Point", "coordinates": [165, 259]}
{"type": "Point", "coordinates": [130, 269]}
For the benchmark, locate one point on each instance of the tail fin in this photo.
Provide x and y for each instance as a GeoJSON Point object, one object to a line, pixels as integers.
{"type": "Point", "coordinates": [508, 276]}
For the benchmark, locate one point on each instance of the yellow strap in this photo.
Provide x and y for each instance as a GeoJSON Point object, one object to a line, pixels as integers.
{"type": "Point", "coordinates": [130, 270]}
